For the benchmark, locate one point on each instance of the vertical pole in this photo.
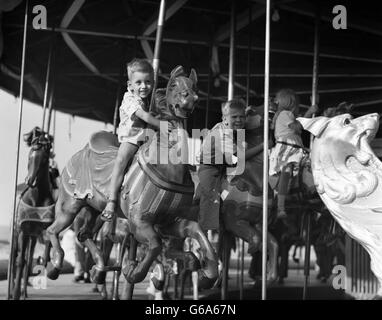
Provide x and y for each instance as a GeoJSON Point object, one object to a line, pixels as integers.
{"type": "Point", "coordinates": [12, 240]}
{"type": "Point", "coordinates": [249, 52]}
{"type": "Point", "coordinates": [265, 160]}
{"type": "Point", "coordinates": [117, 98]}
{"type": "Point", "coordinates": [231, 76]}
{"type": "Point", "coordinates": [315, 61]}
{"type": "Point", "coordinates": [241, 284]}
{"type": "Point", "coordinates": [314, 102]}
{"type": "Point", "coordinates": [158, 42]}
{"type": "Point", "coordinates": [51, 98]}
{"type": "Point", "coordinates": [307, 253]}
{"type": "Point", "coordinates": [208, 86]}
{"type": "Point", "coordinates": [47, 78]}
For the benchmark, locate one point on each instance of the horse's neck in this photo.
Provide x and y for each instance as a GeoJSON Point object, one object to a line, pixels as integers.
{"type": "Point", "coordinates": [41, 194]}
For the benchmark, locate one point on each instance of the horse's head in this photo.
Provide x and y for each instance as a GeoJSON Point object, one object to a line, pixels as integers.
{"type": "Point", "coordinates": [178, 99]}
{"type": "Point", "coordinates": [41, 144]}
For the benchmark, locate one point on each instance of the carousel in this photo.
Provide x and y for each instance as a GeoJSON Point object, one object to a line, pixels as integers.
{"type": "Point", "coordinates": [71, 56]}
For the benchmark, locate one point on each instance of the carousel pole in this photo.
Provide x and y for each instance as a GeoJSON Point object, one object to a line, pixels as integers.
{"type": "Point", "coordinates": [265, 160]}
{"type": "Point", "coordinates": [113, 228]}
{"type": "Point", "coordinates": [241, 283]}
{"type": "Point", "coordinates": [224, 287]}
{"type": "Point", "coordinates": [158, 42]}
{"type": "Point", "coordinates": [13, 221]}
{"type": "Point", "coordinates": [47, 82]}
{"type": "Point", "coordinates": [314, 102]}
{"type": "Point", "coordinates": [208, 87]}
{"type": "Point", "coordinates": [231, 75]}
{"type": "Point", "coordinates": [50, 104]}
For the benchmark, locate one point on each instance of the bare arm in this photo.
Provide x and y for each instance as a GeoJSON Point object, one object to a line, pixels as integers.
{"type": "Point", "coordinates": [311, 111]}
{"type": "Point", "coordinates": [147, 117]}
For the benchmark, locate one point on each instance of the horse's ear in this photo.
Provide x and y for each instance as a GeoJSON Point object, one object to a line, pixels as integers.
{"type": "Point", "coordinates": [315, 125]}
{"type": "Point", "coordinates": [176, 72]}
{"type": "Point", "coordinates": [193, 77]}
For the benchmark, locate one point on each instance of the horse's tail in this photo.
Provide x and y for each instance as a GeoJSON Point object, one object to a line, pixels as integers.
{"type": "Point", "coordinates": [226, 240]}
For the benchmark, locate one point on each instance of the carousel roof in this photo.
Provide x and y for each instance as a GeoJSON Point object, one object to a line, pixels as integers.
{"type": "Point", "coordinates": [93, 40]}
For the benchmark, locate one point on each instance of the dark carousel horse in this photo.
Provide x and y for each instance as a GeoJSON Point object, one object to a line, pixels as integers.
{"type": "Point", "coordinates": [153, 198]}
{"type": "Point", "coordinates": [35, 210]}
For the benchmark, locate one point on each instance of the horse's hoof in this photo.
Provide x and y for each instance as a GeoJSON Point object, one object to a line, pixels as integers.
{"type": "Point", "coordinates": [52, 272]}
{"type": "Point", "coordinates": [205, 282]}
{"type": "Point", "coordinates": [158, 284]}
{"type": "Point", "coordinates": [95, 290]}
{"type": "Point", "coordinates": [97, 276]}
{"type": "Point", "coordinates": [128, 271]}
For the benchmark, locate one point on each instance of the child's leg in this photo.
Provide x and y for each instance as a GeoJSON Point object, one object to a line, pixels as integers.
{"type": "Point", "coordinates": [283, 191]}
{"type": "Point", "coordinates": [125, 154]}
{"type": "Point", "coordinates": [210, 180]}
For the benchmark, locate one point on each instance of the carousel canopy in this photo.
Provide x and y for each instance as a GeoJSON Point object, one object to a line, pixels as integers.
{"type": "Point", "coordinates": [91, 42]}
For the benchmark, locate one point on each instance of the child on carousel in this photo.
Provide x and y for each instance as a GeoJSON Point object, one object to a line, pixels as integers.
{"type": "Point", "coordinates": [289, 146]}
{"type": "Point", "coordinates": [134, 115]}
{"type": "Point", "coordinates": [218, 145]}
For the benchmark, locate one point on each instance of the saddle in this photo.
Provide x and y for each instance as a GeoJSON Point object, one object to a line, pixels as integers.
{"type": "Point", "coordinates": [90, 169]}
{"type": "Point", "coordinates": [27, 213]}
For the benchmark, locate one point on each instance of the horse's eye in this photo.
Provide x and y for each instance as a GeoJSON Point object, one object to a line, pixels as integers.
{"type": "Point", "coordinates": [347, 121]}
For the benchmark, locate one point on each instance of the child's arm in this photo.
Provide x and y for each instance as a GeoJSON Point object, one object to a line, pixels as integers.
{"type": "Point", "coordinates": [148, 118]}
{"type": "Point", "coordinates": [312, 110]}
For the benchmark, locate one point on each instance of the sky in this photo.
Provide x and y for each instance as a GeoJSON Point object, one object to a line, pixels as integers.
{"type": "Point", "coordinates": [72, 133]}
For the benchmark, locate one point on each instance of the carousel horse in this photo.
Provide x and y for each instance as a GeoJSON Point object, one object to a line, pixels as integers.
{"type": "Point", "coordinates": [347, 175]}
{"type": "Point", "coordinates": [153, 197]}
{"type": "Point", "coordinates": [35, 210]}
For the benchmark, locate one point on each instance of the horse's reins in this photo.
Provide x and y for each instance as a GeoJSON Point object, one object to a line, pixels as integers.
{"type": "Point", "coordinates": [294, 145]}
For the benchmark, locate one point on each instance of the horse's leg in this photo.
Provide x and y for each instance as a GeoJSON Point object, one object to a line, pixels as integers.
{"type": "Point", "coordinates": [47, 248]}
{"type": "Point", "coordinates": [273, 252]}
{"type": "Point", "coordinates": [137, 272]}
{"type": "Point", "coordinates": [183, 228]}
{"type": "Point", "coordinates": [66, 210]}
{"type": "Point", "coordinates": [19, 264]}
{"type": "Point", "coordinates": [28, 264]}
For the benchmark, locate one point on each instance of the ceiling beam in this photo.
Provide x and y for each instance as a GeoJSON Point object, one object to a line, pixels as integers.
{"type": "Point", "coordinates": [200, 42]}
{"type": "Point", "coordinates": [242, 21]}
{"type": "Point", "coordinates": [238, 85]}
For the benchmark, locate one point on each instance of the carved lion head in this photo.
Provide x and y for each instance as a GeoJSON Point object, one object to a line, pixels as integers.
{"type": "Point", "coordinates": [344, 166]}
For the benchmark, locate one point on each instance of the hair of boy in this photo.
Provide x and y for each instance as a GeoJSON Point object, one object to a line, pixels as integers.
{"type": "Point", "coordinates": [287, 99]}
{"type": "Point", "coordinates": [232, 105]}
{"type": "Point", "coordinates": [139, 65]}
